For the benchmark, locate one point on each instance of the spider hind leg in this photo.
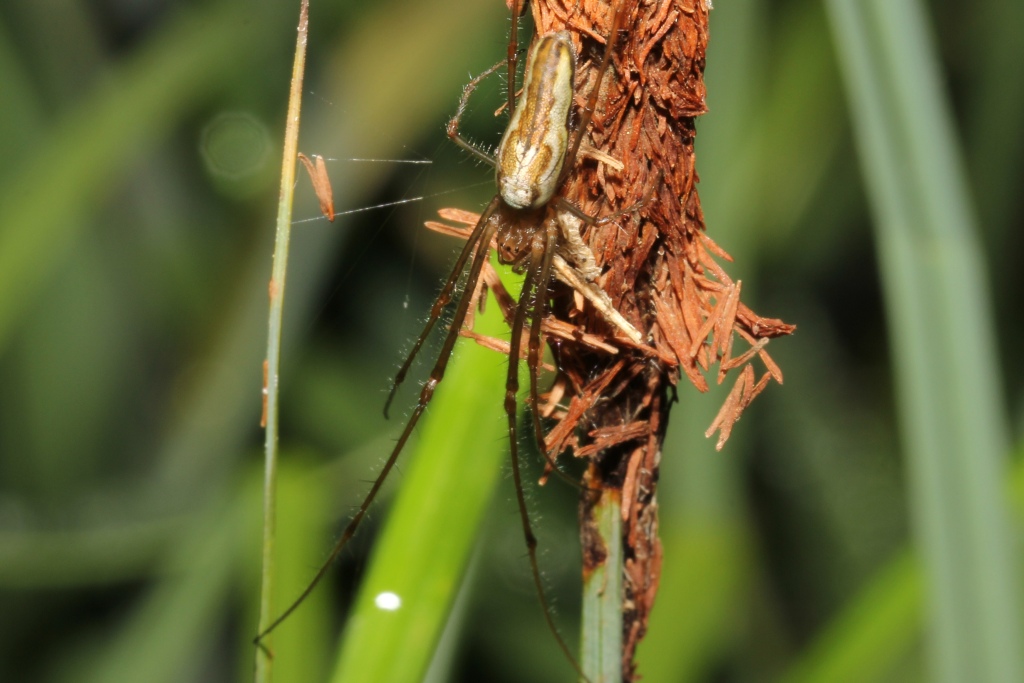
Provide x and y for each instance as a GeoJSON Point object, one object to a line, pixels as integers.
{"type": "Point", "coordinates": [535, 291]}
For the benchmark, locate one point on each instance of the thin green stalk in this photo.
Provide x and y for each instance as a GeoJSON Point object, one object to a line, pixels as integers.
{"type": "Point", "coordinates": [940, 322]}
{"type": "Point", "coordinates": [601, 647]}
{"type": "Point", "coordinates": [273, 360]}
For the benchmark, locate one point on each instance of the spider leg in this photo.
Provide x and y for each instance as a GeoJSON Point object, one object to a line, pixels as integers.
{"type": "Point", "coordinates": [482, 236]}
{"type": "Point", "coordinates": [453, 123]}
{"type": "Point", "coordinates": [475, 242]}
{"type": "Point", "coordinates": [533, 357]}
{"type": "Point", "coordinates": [598, 298]}
{"type": "Point", "coordinates": [538, 256]}
{"type": "Point", "coordinates": [568, 207]}
{"type": "Point", "coordinates": [513, 54]}
{"type": "Point", "coordinates": [588, 111]}
{"type": "Point", "coordinates": [540, 309]}
{"type": "Point", "coordinates": [635, 207]}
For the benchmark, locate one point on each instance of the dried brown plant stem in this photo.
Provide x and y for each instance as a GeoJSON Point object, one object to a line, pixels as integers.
{"type": "Point", "coordinates": [658, 267]}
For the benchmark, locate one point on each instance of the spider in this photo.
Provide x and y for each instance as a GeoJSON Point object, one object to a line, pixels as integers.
{"type": "Point", "coordinates": [536, 232]}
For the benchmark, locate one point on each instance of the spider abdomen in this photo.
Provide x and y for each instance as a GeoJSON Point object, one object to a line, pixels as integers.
{"type": "Point", "coordinates": [532, 151]}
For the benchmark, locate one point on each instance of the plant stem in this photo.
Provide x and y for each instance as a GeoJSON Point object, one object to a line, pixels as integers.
{"type": "Point", "coordinates": [601, 646]}
{"type": "Point", "coordinates": [273, 360]}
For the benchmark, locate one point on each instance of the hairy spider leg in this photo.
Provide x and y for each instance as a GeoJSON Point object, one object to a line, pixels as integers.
{"type": "Point", "coordinates": [588, 111]}
{"type": "Point", "coordinates": [478, 246]}
{"type": "Point", "coordinates": [453, 123]}
{"type": "Point", "coordinates": [513, 53]}
{"type": "Point", "coordinates": [538, 276]}
{"type": "Point", "coordinates": [534, 357]}
{"type": "Point", "coordinates": [443, 299]}
{"type": "Point", "coordinates": [446, 293]}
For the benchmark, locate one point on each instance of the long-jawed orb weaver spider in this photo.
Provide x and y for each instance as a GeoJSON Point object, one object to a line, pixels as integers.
{"type": "Point", "coordinates": [536, 231]}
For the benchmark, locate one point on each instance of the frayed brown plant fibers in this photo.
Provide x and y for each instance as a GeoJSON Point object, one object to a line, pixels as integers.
{"type": "Point", "coordinates": [659, 268]}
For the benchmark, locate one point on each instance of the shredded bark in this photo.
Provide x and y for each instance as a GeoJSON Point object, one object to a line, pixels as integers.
{"type": "Point", "coordinates": [657, 265]}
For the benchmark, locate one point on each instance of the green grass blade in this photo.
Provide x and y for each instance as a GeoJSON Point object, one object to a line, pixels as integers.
{"type": "Point", "coordinates": [942, 336]}
{"type": "Point", "coordinates": [272, 361]}
{"type": "Point", "coordinates": [423, 552]}
{"type": "Point", "coordinates": [601, 650]}
{"type": "Point", "coordinates": [306, 503]}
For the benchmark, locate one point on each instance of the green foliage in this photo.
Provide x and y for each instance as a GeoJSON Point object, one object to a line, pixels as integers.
{"type": "Point", "coordinates": [134, 261]}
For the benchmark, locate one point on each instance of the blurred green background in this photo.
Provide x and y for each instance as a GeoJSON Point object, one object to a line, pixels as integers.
{"type": "Point", "coordinates": [862, 163]}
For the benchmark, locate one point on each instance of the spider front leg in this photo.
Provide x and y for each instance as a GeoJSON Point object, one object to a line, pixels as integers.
{"type": "Point", "coordinates": [453, 124]}
{"type": "Point", "coordinates": [475, 241]}
{"type": "Point", "coordinates": [538, 276]}
{"type": "Point", "coordinates": [533, 359]}
{"type": "Point", "coordinates": [555, 265]}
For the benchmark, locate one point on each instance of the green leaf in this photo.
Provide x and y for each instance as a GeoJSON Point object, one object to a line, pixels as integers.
{"type": "Point", "coordinates": [941, 328]}
{"type": "Point", "coordinates": [421, 557]}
